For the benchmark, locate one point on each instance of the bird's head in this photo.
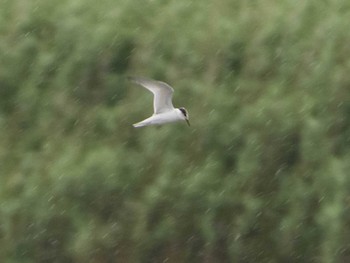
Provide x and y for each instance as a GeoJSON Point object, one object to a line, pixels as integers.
{"type": "Point", "coordinates": [185, 115]}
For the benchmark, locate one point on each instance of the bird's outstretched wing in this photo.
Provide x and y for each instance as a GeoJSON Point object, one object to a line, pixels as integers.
{"type": "Point", "coordinates": [163, 93]}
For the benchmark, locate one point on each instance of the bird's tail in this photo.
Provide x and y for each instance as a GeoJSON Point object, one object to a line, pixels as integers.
{"type": "Point", "coordinates": [139, 124]}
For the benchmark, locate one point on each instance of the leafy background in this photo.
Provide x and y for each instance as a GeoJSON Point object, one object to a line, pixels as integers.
{"type": "Point", "coordinates": [262, 175]}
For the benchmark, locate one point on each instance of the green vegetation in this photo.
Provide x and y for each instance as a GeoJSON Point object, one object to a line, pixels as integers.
{"type": "Point", "coordinates": [262, 175]}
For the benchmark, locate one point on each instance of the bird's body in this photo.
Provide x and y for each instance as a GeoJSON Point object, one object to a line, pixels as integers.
{"type": "Point", "coordinates": [164, 111]}
{"type": "Point", "coordinates": [161, 118]}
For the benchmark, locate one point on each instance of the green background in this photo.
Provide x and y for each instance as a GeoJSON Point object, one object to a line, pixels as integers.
{"type": "Point", "coordinates": [262, 175]}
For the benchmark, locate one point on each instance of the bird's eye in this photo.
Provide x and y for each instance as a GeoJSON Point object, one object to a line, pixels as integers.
{"type": "Point", "coordinates": [183, 112]}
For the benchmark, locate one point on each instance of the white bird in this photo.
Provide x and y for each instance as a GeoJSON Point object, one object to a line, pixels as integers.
{"type": "Point", "coordinates": [164, 111]}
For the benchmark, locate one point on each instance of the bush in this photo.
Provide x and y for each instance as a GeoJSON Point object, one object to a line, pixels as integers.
{"type": "Point", "coordinates": [260, 176]}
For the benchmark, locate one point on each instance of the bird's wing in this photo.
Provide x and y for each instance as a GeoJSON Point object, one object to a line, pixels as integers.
{"type": "Point", "coordinates": [163, 93]}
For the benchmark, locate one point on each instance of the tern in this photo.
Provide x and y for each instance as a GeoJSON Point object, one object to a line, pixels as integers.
{"type": "Point", "coordinates": [164, 111]}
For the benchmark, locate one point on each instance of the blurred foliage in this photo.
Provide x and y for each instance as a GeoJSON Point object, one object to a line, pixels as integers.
{"type": "Point", "coordinates": [262, 175]}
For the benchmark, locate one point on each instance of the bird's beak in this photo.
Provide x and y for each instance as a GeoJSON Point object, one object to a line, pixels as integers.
{"type": "Point", "coordinates": [188, 122]}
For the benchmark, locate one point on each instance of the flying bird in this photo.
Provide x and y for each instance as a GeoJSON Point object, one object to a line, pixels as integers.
{"type": "Point", "coordinates": [164, 111]}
